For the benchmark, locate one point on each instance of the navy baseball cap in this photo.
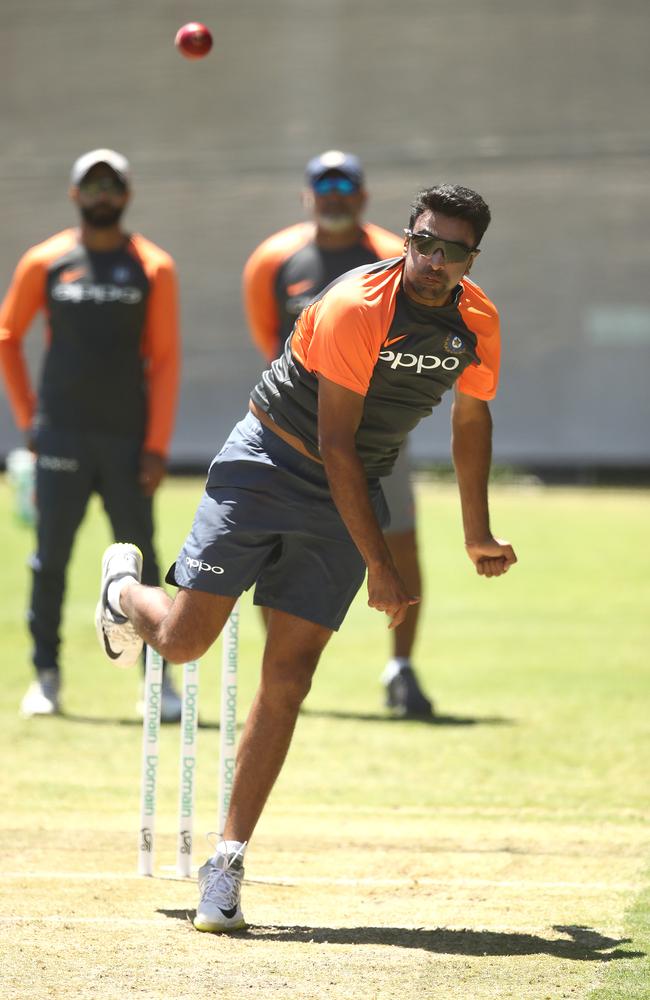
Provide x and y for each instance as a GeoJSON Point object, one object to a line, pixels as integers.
{"type": "Point", "coordinates": [343, 163]}
{"type": "Point", "coordinates": [118, 164]}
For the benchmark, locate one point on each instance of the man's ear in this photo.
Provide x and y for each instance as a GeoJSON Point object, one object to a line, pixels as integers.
{"type": "Point", "coordinates": [307, 199]}
{"type": "Point", "coordinates": [474, 254]}
{"type": "Point", "coordinates": [73, 194]}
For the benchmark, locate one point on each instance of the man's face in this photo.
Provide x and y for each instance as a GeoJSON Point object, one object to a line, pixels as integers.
{"type": "Point", "coordinates": [337, 202]}
{"type": "Point", "coordinates": [101, 197]}
{"type": "Point", "coordinates": [430, 279]}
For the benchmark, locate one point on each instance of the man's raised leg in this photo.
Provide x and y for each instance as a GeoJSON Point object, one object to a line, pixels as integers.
{"type": "Point", "coordinates": [180, 629]}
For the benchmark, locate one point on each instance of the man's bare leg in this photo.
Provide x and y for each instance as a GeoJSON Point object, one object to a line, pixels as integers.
{"type": "Point", "coordinates": [180, 629]}
{"type": "Point", "coordinates": [292, 651]}
{"type": "Point", "coordinates": [403, 549]}
{"type": "Point", "coordinates": [403, 693]}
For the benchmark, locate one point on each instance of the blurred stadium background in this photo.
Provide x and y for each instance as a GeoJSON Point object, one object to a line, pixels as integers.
{"type": "Point", "coordinates": [542, 107]}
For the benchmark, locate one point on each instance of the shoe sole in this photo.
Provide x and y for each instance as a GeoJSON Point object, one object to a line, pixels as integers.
{"type": "Point", "coordinates": [206, 928]}
{"type": "Point", "coordinates": [117, 661]}
{"type": "Point", "coordinates": [39, 715]}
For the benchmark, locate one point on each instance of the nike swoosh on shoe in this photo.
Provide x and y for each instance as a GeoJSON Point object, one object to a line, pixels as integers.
{"type": "Point", "coordinates": [109, 651]}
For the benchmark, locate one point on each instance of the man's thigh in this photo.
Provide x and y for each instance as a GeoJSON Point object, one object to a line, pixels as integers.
{"type": "Point", "coordinates": [303, 565]}
{"type": "Point", "coordinates": [313, 577]}
{"type": "Point", "coordinates": [128, 509]}
{"type": "Point", "coordinates": [398, 491]}
{"type": "Point", "coordinates": [64, 476]}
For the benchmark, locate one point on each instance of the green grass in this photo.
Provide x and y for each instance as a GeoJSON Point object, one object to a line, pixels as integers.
{"type": "Point", "coordinates": [535, 775]}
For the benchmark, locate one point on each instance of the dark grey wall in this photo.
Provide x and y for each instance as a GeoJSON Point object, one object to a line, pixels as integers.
{"type": "Point", "coordinates": [542, 107]}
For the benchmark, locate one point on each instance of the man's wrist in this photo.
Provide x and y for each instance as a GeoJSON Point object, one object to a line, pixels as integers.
{"type": "Point", "coordinates": [378, 561]}
{"type": "Point", "coordinates": [476, 540]}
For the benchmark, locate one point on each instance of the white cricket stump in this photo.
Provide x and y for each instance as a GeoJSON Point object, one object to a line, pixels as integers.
{"type": "Point", "coordinates": [188, 759]}
{"type": "Point", "coordinates": [228, 716]}
{"type": "Point", "coordinates": [150, 760]}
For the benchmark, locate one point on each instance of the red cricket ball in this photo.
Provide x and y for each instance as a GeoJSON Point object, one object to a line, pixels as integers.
{"type": "Point", "coordinates": [193, 40]}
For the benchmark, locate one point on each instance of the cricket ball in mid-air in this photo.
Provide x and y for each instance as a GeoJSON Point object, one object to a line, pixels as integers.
{"type": "Point", "coordinates": [193, 40]}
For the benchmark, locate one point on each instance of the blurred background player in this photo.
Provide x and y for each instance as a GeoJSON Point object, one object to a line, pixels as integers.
{"type": "Point", "coordinates": [281, 277]}
{"type": "Point", "coordinates": [103, 417]}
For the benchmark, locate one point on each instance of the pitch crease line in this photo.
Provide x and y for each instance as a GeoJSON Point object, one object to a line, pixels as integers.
{"type": "Point", "coordinates": [289, 881]}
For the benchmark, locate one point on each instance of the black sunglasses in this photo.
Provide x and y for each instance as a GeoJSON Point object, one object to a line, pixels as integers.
{"type": "Point", "coordinates": [426, 245]}
{"type": "Point", "coordinates": [103, 185]}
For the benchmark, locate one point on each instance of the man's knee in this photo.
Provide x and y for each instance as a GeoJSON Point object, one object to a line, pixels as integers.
{"type": "Point", "coordinates": [186, 627]}
{"type": "Point", "coordinates": [287, 680]}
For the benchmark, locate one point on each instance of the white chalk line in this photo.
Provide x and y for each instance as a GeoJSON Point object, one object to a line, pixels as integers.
{"type": "Point", "coordinates": [37, 918]}
{"type": "Point", "coordinates": [289, 881]}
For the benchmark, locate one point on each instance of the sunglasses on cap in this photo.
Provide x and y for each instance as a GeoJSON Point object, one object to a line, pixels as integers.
{"type": "Point", "coordinates": [426, 245]}
{"type": "Point", "coordinates": [103, 185]}
{"type": "Point", "coordinates": [342, 185]}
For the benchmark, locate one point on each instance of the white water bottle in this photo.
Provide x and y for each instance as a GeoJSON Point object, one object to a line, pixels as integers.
{"type": "Point", "coordinates": [21, 470]}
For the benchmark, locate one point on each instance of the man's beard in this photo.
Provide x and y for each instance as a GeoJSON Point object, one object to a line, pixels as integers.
{"type": "Point", "coordinates": [101, 216]}
{"type": "Point", "coordinates": [336, 223]}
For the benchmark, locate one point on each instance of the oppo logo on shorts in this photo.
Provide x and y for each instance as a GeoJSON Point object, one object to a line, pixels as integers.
{"type": "Point", "coordinates": [203, 567]}
{"type": "Point", "coordinates": [420, 362]}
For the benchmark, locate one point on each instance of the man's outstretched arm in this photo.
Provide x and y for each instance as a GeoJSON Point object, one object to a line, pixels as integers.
{"type": "Point", "coordinates": [339, 415]}
{"type": "Point", "coordinates": [471, 447]}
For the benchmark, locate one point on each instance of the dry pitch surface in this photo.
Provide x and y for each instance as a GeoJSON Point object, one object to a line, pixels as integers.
{"type": "Point", "coordinates": [421, 908]}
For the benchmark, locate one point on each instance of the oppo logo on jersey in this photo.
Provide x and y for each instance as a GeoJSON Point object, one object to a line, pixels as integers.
{"type": "Point", "coordinates": [127, 295]}
{"type": "Point", "coordinates": [420, 362]}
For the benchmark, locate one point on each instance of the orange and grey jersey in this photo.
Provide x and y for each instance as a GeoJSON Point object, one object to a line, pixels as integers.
{"type": "Point", "coordinates": [112, 356]}
{"type": "Point", "coordinates": [365, 334]}
{"type": "Point", "coordinates": [289, 269]}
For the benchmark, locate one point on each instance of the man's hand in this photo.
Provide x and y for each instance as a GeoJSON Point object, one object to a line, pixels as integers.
{"type": "Point", "coordinates": [387, 593]}
{"type": "Point", "coordinates": [152, 472]}
{"type": "Point", "coordinates": [492, 556]}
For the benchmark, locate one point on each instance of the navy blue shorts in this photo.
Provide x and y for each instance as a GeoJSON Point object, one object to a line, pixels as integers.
{"type": "Point", "coordinates": [267, 518]}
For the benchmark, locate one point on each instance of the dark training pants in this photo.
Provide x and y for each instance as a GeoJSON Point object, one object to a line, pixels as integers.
{"type": "Point", "coordinates": [71, 466]}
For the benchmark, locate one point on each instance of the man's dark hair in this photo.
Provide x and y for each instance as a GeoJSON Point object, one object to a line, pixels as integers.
{"type": "Point", "coordinates": [455, 201]}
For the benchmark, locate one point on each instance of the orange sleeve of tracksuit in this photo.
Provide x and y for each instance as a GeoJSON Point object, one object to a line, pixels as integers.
{"type": "Point", "coordinates": [160, 345]}
{"type": "Point", "coordinates": [482, 317]}
{"type": "Point", "coordinates": [340, 336]}
{"type": "Point", "coordinates": [24, 298]}
{"type": "Point", "coordinates": [258, 284]}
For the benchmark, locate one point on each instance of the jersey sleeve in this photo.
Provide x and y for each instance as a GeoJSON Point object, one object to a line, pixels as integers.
{"type": "Point", "coordinates": [482, 381]}
{"type": "Point", "coordinates": [345, 345]}
{"type": "Point", "coordinates": [258, 286]}
{"type": "Point", "coordinates": [161, 351]}
{"type": "Point", "coordinates": [260, 305]}
{"type": "Point", "coordinates": [26, 295]}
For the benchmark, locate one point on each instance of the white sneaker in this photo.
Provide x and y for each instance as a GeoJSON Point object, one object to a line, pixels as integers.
{"type": "Point", "coordinates": [42, 696]}
{"type": "Point", "coordinates": [219, 909]}
{"type": "Point", "coordinates": [117, 636]}
{"type": "Point", "coordinates": [171, 705]}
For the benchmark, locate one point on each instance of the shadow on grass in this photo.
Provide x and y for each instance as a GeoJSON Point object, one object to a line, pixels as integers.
{"type": "Point", "coordinates": [433, 720]}
{"type": "Point", "coordinates": [582, 944]}
{"type": "Point", "coordinates": [100, 720]}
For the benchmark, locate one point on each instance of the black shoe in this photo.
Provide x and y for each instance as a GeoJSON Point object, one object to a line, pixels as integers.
{"type": "Point", "coordinates": [405, 698]}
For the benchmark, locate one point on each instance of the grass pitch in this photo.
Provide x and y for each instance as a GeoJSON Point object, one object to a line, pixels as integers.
{"type": "Point", "coordinates": [501, 852]}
